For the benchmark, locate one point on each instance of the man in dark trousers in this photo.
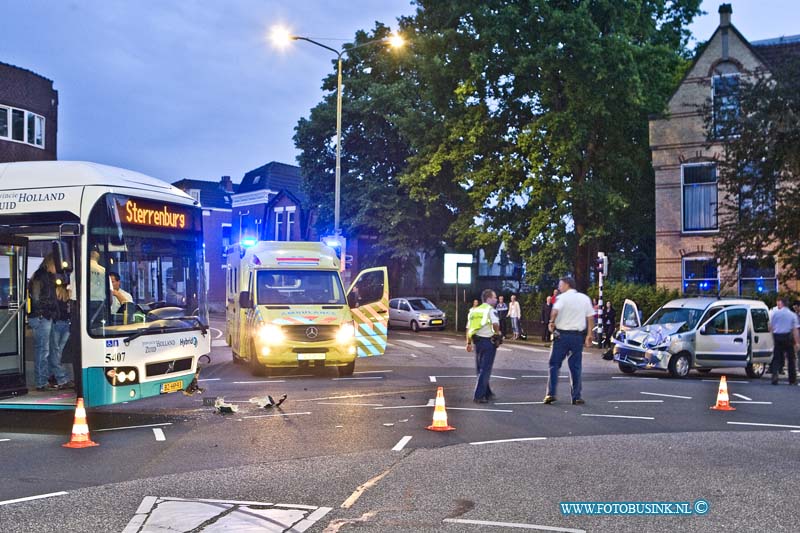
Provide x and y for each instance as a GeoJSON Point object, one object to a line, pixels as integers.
{"type": "Point", "coordinates": [571, 319]}
{"type": "Point", "coordinates": [482, 325]}
{"type": "Point", "coordinates": [783, 325]}
{"type": "Point", "coordinates": [547, 308]}
{"type": "Point", "coordinates": [502, 314]}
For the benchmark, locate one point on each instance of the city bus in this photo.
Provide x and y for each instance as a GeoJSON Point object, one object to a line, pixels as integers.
{"type": "Point", "coordinates": [100, 222]}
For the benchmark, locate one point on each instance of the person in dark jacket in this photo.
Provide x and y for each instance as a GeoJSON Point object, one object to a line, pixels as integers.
{"type": "Point", "coordinates": [59, 337]}
{"type": "Point", "coordinates": [44, 308]}
{"type": "Point", "coordinates": [609, 319]}
{"type": "Point", "coordinates": [547, 307]}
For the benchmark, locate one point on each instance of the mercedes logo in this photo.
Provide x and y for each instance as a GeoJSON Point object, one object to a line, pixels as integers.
{"type": "Point", "coordinates": [312, 332]}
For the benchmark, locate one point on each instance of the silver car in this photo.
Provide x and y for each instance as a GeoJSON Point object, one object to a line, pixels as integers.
{"type": "Point", "coordinates": [416, 313]}
{"type": "Point", "coordinates": [696, 333]}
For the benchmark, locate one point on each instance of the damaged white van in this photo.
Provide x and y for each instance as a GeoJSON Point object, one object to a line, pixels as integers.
{"type": "Point", "coordinates": [696, 333]}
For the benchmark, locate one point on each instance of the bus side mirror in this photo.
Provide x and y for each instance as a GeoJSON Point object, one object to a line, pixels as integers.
{"type": "Point", "coordinates": [244, 300]}
{"type": "Point", "coordinates": [62, 257]}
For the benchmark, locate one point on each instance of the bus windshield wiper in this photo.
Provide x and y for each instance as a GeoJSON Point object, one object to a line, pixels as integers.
{"type": "Point", "coordinates": [203, 327]}
{"type": "Point", "coordinates": [139, 332]}
{"type": "Point", "coordinates": [162, 329]}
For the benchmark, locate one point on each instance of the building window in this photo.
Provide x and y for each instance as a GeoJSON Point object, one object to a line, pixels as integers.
{"type": "Point", "coordinates": [22, 126]}
{"type": "Point", "coordinates": [757, 277]}
{"type": "Point", "coordinates": [699, 197]}
{"type": "Point", "coordinates": [278, 223]}
{"type": "Point", "coordinates": [195, 193]}
{"type": "Point", "coordinates": [725, 102]}
{"type": "Point", "coordinates": [226, 235]}
{"type": "Point", "coordinates": [700, 276]}
{"type": "Point", "coordinates": [756, 197]}
{"type": "Point", "coordinates": [289, 223]}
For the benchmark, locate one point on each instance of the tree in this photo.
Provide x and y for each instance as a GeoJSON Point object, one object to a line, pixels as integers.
{"type": "Point", "coordinates": [541, 119]}
{"type": "Point", "coordinates": [759, 169]}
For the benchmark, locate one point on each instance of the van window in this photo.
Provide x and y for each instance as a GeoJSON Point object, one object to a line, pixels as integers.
{"type": "Point", "coordinates": [760, 320]}
{"type": "Point", "coordinates": [730, 322]}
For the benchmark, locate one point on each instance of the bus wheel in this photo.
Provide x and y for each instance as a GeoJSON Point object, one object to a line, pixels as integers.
{"type": "Point", "coordinates": [346, 370]}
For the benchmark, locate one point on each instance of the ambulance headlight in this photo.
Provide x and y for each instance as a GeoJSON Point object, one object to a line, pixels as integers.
{"type": "Point", "coordinates": [271, 334]}
{"type": "Point", "coordinates": [346, 333]}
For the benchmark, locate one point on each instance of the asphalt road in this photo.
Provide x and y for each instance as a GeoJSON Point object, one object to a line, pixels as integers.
{"type": "Point", "coordinates": [640, 438]}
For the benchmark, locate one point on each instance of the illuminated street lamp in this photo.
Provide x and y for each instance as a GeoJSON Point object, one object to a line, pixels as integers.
{"type": "Point", "coordinates": [281, 37]}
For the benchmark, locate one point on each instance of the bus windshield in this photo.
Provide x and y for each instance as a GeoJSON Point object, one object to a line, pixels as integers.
{"type": "Point", "coordinates": [309, 287]}
{"type": "Point", "coordinates": [145, 267]}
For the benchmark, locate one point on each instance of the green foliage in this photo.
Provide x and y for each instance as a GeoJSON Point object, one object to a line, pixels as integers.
{"type": "Point", "coordinates": [647, 297]}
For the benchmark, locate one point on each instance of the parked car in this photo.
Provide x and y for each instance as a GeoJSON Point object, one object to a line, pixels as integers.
{"type": "Point", "coordinates": [416, 313]}
{"type": "Point", "coordinates": [696, 333]}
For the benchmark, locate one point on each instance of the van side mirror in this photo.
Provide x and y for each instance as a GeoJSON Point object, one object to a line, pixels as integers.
{"type": "Point", "coordinates": [62, 257]}
{"type": "Point", "coordinates": [244, 300]}
{"type": "Point", "coordinates": [703, 330]}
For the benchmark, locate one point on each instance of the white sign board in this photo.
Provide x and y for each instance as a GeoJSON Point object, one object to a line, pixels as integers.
{"type": "Point", "coordinates": [450, 267]}
{"type": "Point", "coordinates": [465, 275]}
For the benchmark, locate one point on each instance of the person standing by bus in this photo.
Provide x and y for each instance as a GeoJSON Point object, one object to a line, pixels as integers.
{"type": "Point", "coordinates": [515, 314]}
{"type": "Point", "coordinates": [502, 314]}
{"type": "Point", "coordinates": [60, 334]}
{"type": "Point", "coordinates": [44, 308]}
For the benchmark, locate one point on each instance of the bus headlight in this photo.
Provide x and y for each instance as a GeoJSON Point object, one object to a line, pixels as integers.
{"type": "Point", "coordinates": [122, 376]}
{"type": "Point", "coordinates": [271, 334]}
{"type": "Point", "coordinates": [346, 333]}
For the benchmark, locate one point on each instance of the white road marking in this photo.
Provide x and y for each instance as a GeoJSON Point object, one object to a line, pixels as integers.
{"type": "Point", "coordinates": [743, 397]}
{"type": "Point", "coordinates": [373, 372]}
{"type": "Point", "coordinates": [717, 381]}
{"type": "Point", "coordinates": [529, 349]}
{"type": "Point", "coordinates": [478, 409]}
{"type": "Point", "coordinates": [764, 425]}
{"type": "Point", "coordinates": [402, 444]}
{"type": "Point", "coordinates": [311, 519]}
{"type": "Point", "coordinates": [210, 379]}
{"type": "Point", "coordinates": [400, 407]}
{"type": "Point", "coordinates": [254, 382]}
{"type": "Point", "coordinates": [795, 431]}
{"type": "Point", "coordinates": [507, 440]}
{"type": "Point", "coordinates": [4, 440]}
{"type": "Point", "coordinates": [412, 355]}
{"type": "Point", "coordinates": [630, 377]}
{"type": "Point", "coordinates": [752, 402]}
{"type": "Point", "coordinates": [29, 498]}
{"type": "Point", "coordinates": [415, 344]}
{"type": "Point", "coordinates": [432, 378]}
{"type": "Point", "coordinates": [513, 525]}
{"type": "Point", "coordinates": [622, 416]}
{"type": "Point", "coordinates": [518, 403]}
{"type": "Point", "coordinates": [463, 357]}
{"type": "Point", "coordinates": [562, 376]}
{"type": "Point", "coordinates": [351, 379]}
{"type": "Point", "coordinates": [635, 401]}
{"type": "Point", "coordinates": [159, 433]}
{"type": "Point", "coordinates": [280, 414]}
{"type": "Point", "coordinates": [217, 343]}
{"type": "Point", "coordinates": [301, 376]}
{"type": "Point", "coordinates": [504, 377]}
{"type": "Point", "coordinates": [666, 395]}
{"type": "Point", "coordinates": [135, 427]}
{"type": "Point", "coordinates": [501, 349]}
{"type": "Point", "coordinates": [352, 404]}
{"type": "Point", "coordinates": [218, 333]}
{"type": "Point", "coordinates": [364, 395]}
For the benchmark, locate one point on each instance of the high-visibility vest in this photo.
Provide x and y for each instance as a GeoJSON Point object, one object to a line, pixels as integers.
{"type": "Point", "coordinates": [478, 317]}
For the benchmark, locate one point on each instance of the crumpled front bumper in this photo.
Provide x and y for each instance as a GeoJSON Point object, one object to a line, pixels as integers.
{"type": "Point", "coordinates": [645, 358]}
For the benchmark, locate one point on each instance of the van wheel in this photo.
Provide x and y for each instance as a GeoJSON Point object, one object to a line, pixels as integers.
{"type": "Point", "coordinates": [755, 370]}
{"type": "Point", "coordinates": [626, 369]}
{"type": "Point", "coordinates": [346, 370]}
{"type": "Point", "coordinates": [256, 368]}
{"type": "Point", "coordinates": [679, 365]}
{"type": "Point", "coordinates": [414, 326]}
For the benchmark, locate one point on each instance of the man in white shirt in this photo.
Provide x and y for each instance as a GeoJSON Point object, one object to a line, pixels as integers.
{"type": "Point", "coordinates": [571, 318]}
{"type": "Point", "coordinates": [120, 296]}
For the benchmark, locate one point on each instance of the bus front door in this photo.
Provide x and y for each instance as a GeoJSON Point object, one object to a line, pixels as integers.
{"type": "Point", "coordinates": [13, 262]}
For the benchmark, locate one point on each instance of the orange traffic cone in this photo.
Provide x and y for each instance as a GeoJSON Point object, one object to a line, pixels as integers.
{"type": "Point", "coordinates": [80, 429]}
{"type": "Point", "coordinates": [722, 397]}
{"type": "Point", "coordinates": [440, 414]}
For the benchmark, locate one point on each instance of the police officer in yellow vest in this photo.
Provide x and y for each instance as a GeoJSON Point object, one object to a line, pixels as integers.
{"type": "Point", "coordinates": [482, 323]}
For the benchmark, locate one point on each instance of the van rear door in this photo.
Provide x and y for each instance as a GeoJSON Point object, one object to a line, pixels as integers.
{"type": "Point", "coordinates": [723, 339]}
{"type": "Point", "coordinates": [368, 298]}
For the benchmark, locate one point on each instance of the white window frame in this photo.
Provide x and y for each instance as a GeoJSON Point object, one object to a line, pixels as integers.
{"type": "Point", "coordinates": [740, 278]}
{"type": "Point", "coordinates": [697, 258]}
{"type": "Point", "coordinates": [683, 201]}
{"type": "Point", "coordinates": [278, 222]}
{"type": "Point", "coordinates": [290, 221]}
{"type": "Point", "coordinates": [37, 120]}
{"type": "Point", "coordinates": [195, 193]}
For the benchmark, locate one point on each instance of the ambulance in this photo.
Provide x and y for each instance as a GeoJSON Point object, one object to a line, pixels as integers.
{"type": "Point", "coordinates": [287, 308]}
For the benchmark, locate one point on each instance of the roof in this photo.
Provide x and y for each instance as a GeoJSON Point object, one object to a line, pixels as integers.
{"type": "Point", "coordinates": [701, 302]}
{"type": "Point", "coordinates": [212, 194]}
{"type": "Point", "coordinates": [275, 177]}
{"type": "Point", "coordinates": [41, 174]}
{"type": "Point", "coordinates": [25, 70]}
{"type": "Point", "coordinates": [774, 52]}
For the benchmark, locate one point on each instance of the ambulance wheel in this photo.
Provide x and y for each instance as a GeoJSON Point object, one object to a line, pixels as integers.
{"type": "Point", "coordinates": [237, 360]}
{"type": "Point", "coordinates": [346, 370]}
{"type": "Point", "coordinates": [414, 326]}
{"type": "Point", "coordinates": [679, 365]}
{"type": "Point", "coordinates": [256, 368]}
{"type": "Point", "coordinates": [626, 369]}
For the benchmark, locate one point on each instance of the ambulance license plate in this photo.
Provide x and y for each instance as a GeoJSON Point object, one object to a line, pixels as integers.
{"type": "Point", "coordinates": [171, 386]}
{"type": "Point", "coordinates": [311, 357]}
{"type": "Point", "coordinates": [436, 322]}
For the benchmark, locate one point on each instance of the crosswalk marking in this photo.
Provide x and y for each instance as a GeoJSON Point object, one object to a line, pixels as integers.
{"type": "Point", "coordinates": [415, 344]}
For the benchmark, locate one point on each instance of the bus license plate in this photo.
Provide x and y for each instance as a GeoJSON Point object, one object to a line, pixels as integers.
{"type": "Point", "coordinates": [171, 386]}
{"type": "Point", "coordinates": [311, 357]}
{"type": "Point", "coordinates": [436, 322]}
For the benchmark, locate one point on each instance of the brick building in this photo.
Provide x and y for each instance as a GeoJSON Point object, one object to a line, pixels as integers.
{"type": "Point", "coordinates": [216, 201]}
{"type": "Point", "coordinates": [28, 116]}
{"type": "Point", "coordinates": [686, 195]}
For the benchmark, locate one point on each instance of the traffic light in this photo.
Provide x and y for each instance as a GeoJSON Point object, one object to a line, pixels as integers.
{"type": "Point", "coordinates": [602, 264]}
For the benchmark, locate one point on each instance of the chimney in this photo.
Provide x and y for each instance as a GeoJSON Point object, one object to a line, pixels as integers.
{"type": "Point", "coordinates": [725, 11]}
{"type": "Point", "coordinates": [226, 184]}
